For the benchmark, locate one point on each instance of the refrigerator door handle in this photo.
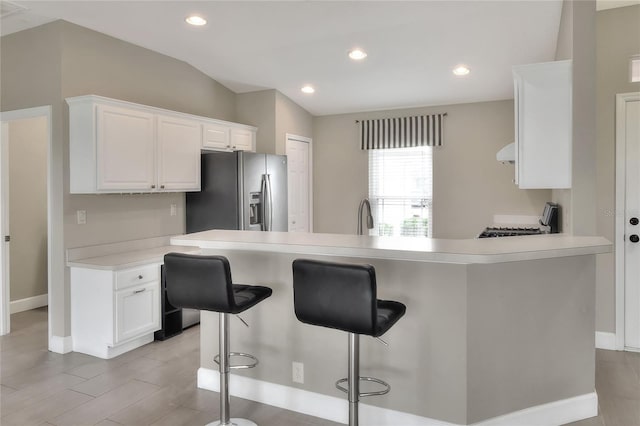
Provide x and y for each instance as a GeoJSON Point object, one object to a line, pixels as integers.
{"type": "Point", "coordinates": [270, 207]}
{"type": "Point", "coordinates": [263, 204]}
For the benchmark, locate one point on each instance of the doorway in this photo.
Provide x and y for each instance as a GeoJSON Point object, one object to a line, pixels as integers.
{"type": "Point", "coordinates": [300, 185]}
{"type": "Point", "coordinates": [25, 214]}
{"type": "Point", "coordinates": [628, 221]}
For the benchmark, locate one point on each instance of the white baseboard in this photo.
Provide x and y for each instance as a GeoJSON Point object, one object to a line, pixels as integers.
{"type": "Point", "coordinates": [336, 409]}
{"type": "Point", "coordinates": [28, 303]}
{"type": "Point", "coordinates": [605, 340]}
{"type": "Point", "coordinates": [60, 345]}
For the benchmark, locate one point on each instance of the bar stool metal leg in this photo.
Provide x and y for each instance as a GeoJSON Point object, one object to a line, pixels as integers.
{"type": "Point", "coordinates": [354, 378]}
{"type": "Point", "coordinates": [225, 397]}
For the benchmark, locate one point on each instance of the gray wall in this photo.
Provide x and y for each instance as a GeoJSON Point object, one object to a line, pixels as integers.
{"type": "Point", "coordinates": [290, 118]}
{"type": "Point", "coordinates": [275, 115]}
{"type": "Point", "coordinates": [258, 109]}
{"type": "Point", "coordinates": [30, 76]}
{"type": "Point", "coordinates": [618, 38]}
{"type": "Point", "coordinates": [28, 207]}
{"type": "Point", "coordinates": [44, 65]}
{"type": "Point", "coordinates": [470, 186]}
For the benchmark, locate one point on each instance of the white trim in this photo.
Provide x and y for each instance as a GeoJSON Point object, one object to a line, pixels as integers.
{"type": "Point", "coordinates": [621, 101]}
{"type": "Point", "coordinates": [29, 303]}
{"type": "Point", "coordinates": [606, 340]}
{"type": "Point", "coordinates": [289, 136]}
{"type": "Point", "coordinates": [59, 344]}
{"type": "Point", "coordinates": [5, 295]}
{"type": "Point", "coordinates": [52, 238]}
{"type": "Point", "coordinates": [336, 409]}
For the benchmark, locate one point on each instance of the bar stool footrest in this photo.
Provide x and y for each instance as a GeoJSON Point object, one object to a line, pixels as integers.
{"type": "Point", "coordinates": [235, 422]}
{"type": "Point", "coordinates": [366, 379]}
{"type": "Point", "coordinates": [216, 359]}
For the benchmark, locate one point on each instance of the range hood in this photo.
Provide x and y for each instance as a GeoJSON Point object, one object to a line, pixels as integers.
{"type": "Point", "coordinates": [507, 154]}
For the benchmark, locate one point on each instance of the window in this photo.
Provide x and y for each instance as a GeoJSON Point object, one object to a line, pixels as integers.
{"type": "Point", "coordinates": [401, 191]}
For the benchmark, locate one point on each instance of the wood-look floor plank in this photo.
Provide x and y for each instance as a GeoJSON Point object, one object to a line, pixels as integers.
{"type": "Point", "coordinates": [46, 409]}
{"type": "Point", "coordinates": [102, 407]}
{"type": "Point", "coordinates": [29, 395]}
{"type": "Point", "coordinates": [104, 383]}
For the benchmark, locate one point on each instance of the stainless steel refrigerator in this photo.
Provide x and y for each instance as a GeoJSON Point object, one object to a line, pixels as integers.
{"type": "Point", "coordinates": [240, 190]}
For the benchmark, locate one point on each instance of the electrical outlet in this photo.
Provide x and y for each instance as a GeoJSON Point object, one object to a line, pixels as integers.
{"type": "Point", "coordinates": [81, 216]}
{"type": "Point", "coordinates": [297, 372]}
{"type": "Point", "coordinates": [174, 209]}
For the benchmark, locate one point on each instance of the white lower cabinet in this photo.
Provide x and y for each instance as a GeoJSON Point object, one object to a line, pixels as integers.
{"type": "Point", "coordinates": [137, 311]}
{"type": "Point", "coordinates": [113, 312]}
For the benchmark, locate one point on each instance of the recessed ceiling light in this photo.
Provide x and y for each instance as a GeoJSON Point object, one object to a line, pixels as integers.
{"type": "Point", "coordinates": [196, 20]}
{"type": "Point", "coordinates": [461, 70]}
{"type": "Point", "coordinates": [357, 54]}
{"type": "Point", "coordinates": [308, 89]}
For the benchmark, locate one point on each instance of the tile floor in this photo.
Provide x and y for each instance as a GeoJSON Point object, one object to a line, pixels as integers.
{"type": "Point", "coordinates": [155, 385]}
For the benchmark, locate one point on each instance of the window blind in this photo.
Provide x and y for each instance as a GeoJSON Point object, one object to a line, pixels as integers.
{"type": "Point", "coordinates": [401, 191]}
{"type": "Point", "coordinates": [403, 132]}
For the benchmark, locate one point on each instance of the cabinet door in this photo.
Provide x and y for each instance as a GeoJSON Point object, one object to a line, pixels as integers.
{"type": "Point", "coordinates": [215, 136]}
{"type": "Point", "coordinates": [242, 140]}
{"type": "Point", "coordinates": [125, 149]}
{"type": "Point", "coordinates": [137, 311]}
{"type": "Point", "coordinates": [178, 154]}
{"type": "Point", "coordinates": [543, 125]}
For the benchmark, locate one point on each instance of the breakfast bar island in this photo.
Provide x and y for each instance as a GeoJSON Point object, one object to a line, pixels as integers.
{"type": "Point", "coordinates": [497, 331]}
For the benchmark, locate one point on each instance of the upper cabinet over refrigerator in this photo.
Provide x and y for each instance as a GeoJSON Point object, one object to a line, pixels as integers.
{"type": "Point", "coordinates": [543, 125]}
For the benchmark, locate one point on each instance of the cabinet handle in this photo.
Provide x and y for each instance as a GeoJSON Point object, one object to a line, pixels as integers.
{"type": "Point", "coordinates": [234, 147]}
{"type": "Point", "coordinates": [161, 186]}
{"type": "Point", "coordinates": [153, 186]}
{"type": "Point", "coordinates": [139, 291]}
{"type": "Point", "coordinates": [140, 277]}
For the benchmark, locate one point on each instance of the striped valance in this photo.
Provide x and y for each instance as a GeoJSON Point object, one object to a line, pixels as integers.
{"type": "Point", "coordinates": [403, 132]}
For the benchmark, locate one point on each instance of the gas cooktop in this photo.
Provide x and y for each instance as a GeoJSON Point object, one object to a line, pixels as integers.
{"type": "Point", "coordinates": [492, 232]}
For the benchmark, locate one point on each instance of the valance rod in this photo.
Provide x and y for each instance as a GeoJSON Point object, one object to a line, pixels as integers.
{"type": "Point", "coordinates": [444, 114]}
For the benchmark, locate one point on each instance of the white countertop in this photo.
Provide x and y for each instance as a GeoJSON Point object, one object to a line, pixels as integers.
{"type": "Point", "coordinates": [485, 250]}
{"type": "Point", "coordinates": [130, 259]}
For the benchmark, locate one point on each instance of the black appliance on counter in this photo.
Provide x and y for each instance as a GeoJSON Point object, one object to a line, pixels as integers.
{"type": "Point", "coordinates": [550, 219]}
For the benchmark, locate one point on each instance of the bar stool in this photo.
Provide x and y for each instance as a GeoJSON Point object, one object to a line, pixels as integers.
{"type": "Point", "coordinates": [343, 296]}
{"type": "Point", "coordinates": [204, 282]}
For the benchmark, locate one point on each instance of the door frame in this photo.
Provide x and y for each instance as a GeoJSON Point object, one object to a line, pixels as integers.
{"type": "Point", "coordinates": [621, 106]}
{"type": "Point", "coordinates": [6, 117]}
{"type": "Point", "coordinates": [304, 139]}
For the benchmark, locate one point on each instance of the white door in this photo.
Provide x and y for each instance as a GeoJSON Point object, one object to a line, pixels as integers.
{"type": "Point", "coordinates": [178, 154]}
{"type": "Point", "coordinates": [4, 230]}
{"type": "Point", "coordinates": [632, 225]}
{"type": "Point", "coordinates": [299, 180]}
{"type": "Point", "coordinates": [126, 159]}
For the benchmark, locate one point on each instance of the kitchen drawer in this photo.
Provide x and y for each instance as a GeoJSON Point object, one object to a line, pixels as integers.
{"type": "Point", "coordinates": [139, 275]}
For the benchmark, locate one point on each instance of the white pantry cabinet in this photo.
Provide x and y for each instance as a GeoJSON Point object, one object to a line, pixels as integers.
{"type": "Point", "coordinates": [113, 312]}
{"type": "Point", "coordinates": [543, 125]}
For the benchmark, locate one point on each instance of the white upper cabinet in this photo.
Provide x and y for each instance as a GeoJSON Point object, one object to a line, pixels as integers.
{"type": "Point", "coordinates": [216, 136]}
{"type": "Point", "coordinates": [125, 149]}
{"type": "Point", "coordinates": [228, 137]}
{"type": "Point", "coordinates": [242, 139]}
{"type": "Point", "coordinates": [178, 153]}
{"type": "Point", "coordinates": [543, 125]}
{"type": "Point", "coordinates": [122, 147]}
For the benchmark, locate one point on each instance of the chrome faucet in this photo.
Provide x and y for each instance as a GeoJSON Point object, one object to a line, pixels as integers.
{"type": "Point", "coordinates": [363, 203]}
